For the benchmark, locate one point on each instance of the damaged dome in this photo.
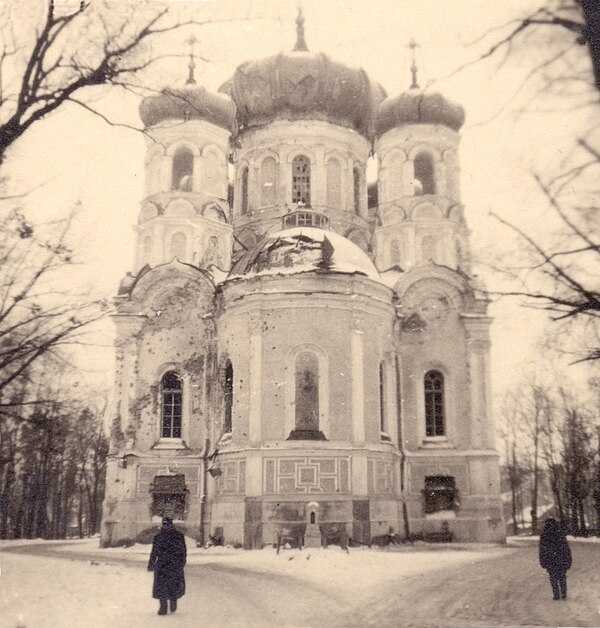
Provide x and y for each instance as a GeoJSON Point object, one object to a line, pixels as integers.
{"type": "Point", "coordinates": [304, 249]}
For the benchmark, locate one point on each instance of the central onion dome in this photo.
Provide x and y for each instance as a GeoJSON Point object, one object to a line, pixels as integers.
{"type": "Point", "coordinates": [304, 249]}
{"type": "Point", "coordinates": [300, 85]}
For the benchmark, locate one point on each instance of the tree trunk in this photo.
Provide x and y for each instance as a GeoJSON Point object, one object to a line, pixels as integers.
{"type": "Point", "coordinates": [591, 13]}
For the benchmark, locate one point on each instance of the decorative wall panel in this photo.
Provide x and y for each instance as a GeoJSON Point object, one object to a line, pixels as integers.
{"type": "Point", "coordinates": [307, 475]}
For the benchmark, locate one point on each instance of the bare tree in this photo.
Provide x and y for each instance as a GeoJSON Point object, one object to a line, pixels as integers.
{"type": "Point", "coordinates": [36, 319]}
{"type": "Point", "coordinates": [560, 41]}
{"type": "Point", "coordinates": [55, 53]}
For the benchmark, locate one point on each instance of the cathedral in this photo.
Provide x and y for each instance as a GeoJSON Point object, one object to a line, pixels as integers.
{"type": "Point", "coordinates": [300, 351]}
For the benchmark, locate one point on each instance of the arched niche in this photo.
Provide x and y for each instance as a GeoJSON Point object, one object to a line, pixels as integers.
{"type": "Point", "coordinates": [426, 212]}
{"type": "Point", "coordinates": [148, 212]}
{"type": "Point", "coordinates": [180, 208]}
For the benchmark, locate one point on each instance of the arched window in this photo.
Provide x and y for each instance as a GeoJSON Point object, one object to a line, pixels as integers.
{"type": "Point", "coordinates": [424, 174]}
{"type": "Point", "coordinates": [435, 411]}
{"type": "Point", "coordinates": [244, 180]}
{"type": "Point", "coordinates": [178, 248]}
{"type": "Point", "coordinates": [356, 181]}
{"type": "Point", "coordinates": [171, 392]}
{"type": "Point", "coordinates": [268, 188]}
{"type": "Point", "coordinates": [382, 398]}
{"type": "Point", "coordinates": [334, 183]}
{"type": "Point", "coordinates": [307, 393]}
{"type": "Point", "coordinates": [228, 392]}
{"type": "Point", "coordinates": [183, 170]}
{"type": "Point", "coordinates": [301, 180]}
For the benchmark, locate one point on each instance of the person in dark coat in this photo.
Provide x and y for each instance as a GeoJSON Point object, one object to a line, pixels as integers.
{"type": "Point", "coordinates": [167, 560]}
{"type": "Point", "coordinates": [555, 557]}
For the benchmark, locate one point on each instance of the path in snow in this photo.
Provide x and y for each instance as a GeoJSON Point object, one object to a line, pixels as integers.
{"type": "Point", "coordinates": [66, 585]}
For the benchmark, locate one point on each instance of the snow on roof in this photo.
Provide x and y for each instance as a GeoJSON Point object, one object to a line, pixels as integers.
{"type": "Point", "coordinates": [304, 249]}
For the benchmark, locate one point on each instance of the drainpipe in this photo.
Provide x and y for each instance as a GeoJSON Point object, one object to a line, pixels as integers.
{"type": "Point", "coordinates": [401, 448]}
{"type": "Point", "coordinates": [201, 538]}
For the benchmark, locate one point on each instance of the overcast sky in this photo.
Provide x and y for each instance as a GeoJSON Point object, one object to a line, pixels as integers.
{"type": "Point", "coordinates": [78, 158]}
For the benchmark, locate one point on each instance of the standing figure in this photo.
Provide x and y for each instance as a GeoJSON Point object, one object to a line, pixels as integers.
{"type": "Point", "coordinates": [555, 557]}
{"type": "Point", "coordinates": [167, 561]}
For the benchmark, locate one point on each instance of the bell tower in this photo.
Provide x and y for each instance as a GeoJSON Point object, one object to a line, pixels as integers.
{"type": "Point", "coordinates": [420, 216]}
{"type": "Point", "coordinates": [185, 214]}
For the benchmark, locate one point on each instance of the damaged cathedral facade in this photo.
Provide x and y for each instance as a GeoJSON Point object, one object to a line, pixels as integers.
{"type": "Point", "coordinates": [296, 347]}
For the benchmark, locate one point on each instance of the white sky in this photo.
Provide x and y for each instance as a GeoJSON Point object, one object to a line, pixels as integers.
{"type": "Point", "coordinates": [79, 158]}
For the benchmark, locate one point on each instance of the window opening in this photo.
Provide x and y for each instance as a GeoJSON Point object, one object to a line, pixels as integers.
{"type": "Point", "coordinates": [301, 180]}
{"type": "Point", "coordinates": [424, 174]}
{"type": "Point", "coordinates": [434, 404]}
{"type": "Point", "coordinates": [227, 425]}
{"type": "Point", "coordinates": [245, 191]}
{"type": "Point", "coordinates": [440, 493]}
{"type": "Point", "coordinates": [382, 417]}
{"type": "Point", "coordinates": [171, 386]}
{"type": "Point", "coordinates": [183, 170]}
{"type": "Point", "coordinates": [356, 191]}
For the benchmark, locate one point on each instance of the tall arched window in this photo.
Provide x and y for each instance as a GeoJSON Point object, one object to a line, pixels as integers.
{"type": "Point", "coordinates": [268, 188]}
{"type": "Point", "coordinates": [435, 410]}
{"type": "Point", "coordinates": [171, 388]}
{"type": "Point", "coordinates": [424, 173]}
{"type": "Point", "coordinates": [228, 392]}
{"type": "Point", "coordinates": [244, 181]}
{"type": "Point", "coordinates": [183, 169]}
{"type": "Point", "coordinates": [301, 180]}
{"type": "Point", "coordinates": [178, 248]}
{"type": "Point", "coordinates": [307, 393]}
{"type": "Point", "coordinates": [334, 183]}
{"type": "Point", "coordinates": [382, 398]}
{"type": "Point", "coordinates": [356, 182]}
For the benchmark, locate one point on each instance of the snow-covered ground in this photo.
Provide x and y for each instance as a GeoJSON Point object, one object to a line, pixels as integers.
{"type": "Point", "coordinates": [77, 584]}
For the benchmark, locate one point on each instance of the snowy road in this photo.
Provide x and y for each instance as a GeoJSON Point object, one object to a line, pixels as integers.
{"type": "Point", "coordinates": [66, 585]}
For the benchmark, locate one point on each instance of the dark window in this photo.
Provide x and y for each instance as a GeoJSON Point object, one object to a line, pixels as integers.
{"type": "Point", "coordinates": [171, 389]}
{"type": "Point", "coordinates": [301, 180]}
{"type": "Point", "coordinates": [356, 191]}
{"type": "Point", "coordinates": [434, 404]}
{"type": "Point", "coordinates": [183, 170]}
{"type": "Point", "coordinates": [244, 207]}
{"type": "Point", "coordinates": [440, 493]}
{"type": "Point", "coordinates": [227, 425]}
{"type": "Point", "coordinates": [168, 496]}
{"type": "Point", "coordinates": [424, 173]}
{"type": "Point", "coordinates": [382, 395]}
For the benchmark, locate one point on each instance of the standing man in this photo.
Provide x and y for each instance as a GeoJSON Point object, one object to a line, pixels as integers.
{"type": "Point", "coordinates": [167, 561]}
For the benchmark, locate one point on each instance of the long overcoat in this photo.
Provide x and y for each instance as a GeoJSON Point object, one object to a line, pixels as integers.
{"type": "Point", "coordinates": [555, 554]}
{"type": "Point", "coordinates": [167, 560]}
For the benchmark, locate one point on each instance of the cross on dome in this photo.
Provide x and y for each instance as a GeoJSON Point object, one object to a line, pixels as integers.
{"type": "Point", "coordinates": [191, 80]}
{"type": "Point", "coordinates": [412, 44]}
{"type": "Point", "coordinates": [300, 41]}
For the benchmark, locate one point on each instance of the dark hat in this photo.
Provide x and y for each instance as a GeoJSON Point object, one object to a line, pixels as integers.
{"type": "Point", "coordinates": [167, 521]}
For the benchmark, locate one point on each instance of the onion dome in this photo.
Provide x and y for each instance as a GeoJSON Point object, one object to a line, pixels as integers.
{"type": "Point", "coordinates": [304, 249]}
{"type": "Point", "coordinates": [300, 85]}
{"type": "Point", "coordinates": [417, 107]}
{"type": "Point", "coordinates": [188, 103]}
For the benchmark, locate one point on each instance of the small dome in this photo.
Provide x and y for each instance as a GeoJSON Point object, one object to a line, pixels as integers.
{"type": "Point", "coordinates": [304, 249]}
{"type": "Point", "coordinates": [417, 107]}
{"type": "Point", "coordinates": [188, 103]}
